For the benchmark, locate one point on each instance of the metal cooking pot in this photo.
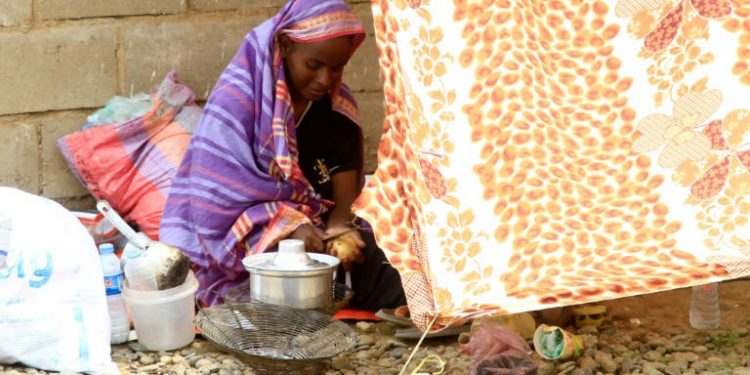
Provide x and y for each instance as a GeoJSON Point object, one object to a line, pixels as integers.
{"type": "Point", "coordinates": [292, 277]}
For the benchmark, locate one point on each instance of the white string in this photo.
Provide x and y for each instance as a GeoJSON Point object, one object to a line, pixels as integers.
{"type": "Point", "coordinates": [419, 343]}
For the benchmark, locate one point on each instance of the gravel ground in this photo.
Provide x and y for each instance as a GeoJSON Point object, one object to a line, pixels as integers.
{"type": "Point", "coordinates": [659, 342]}
{"type": "Point", "coordinates": [617, 348]}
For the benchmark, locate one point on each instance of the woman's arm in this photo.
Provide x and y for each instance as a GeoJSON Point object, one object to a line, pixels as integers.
{"type": "Point", "coordinates": [346, 188]}
{"type": "Point", "coordinates": [345, 191]}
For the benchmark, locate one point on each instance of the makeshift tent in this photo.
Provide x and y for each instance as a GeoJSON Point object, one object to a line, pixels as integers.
{"type": "Point", "coordinates": [546, 153]}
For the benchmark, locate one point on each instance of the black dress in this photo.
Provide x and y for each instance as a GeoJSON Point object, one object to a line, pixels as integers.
{"type": "Point", "coordinates": [330, 143]}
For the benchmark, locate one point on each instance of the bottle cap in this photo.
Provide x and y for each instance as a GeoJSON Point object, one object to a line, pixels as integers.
{"type": "Point", "coordinates": [106, 248]}
{"type": "Point", "coordinates": [134, 253]}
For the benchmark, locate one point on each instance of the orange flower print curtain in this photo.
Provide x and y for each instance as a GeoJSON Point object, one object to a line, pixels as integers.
{"type": "Point", "coordinates": [546, 153]}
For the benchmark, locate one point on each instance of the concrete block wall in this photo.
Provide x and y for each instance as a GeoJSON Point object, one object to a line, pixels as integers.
{"type": "Point", "coordinates": [60, 60]}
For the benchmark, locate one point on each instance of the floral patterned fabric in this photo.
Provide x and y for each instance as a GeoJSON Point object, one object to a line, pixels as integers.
{"type": "Point", "coordinates": [546, 153]}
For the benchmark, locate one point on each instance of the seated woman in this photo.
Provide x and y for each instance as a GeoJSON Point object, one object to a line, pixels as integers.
{"type": "Point", "coordinates": [278, 154]}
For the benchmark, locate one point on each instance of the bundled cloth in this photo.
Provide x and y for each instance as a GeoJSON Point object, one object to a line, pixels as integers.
{"type": "Point", "coordinates": [131, 164]}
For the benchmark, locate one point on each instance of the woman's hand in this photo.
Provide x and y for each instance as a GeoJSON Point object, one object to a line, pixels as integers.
{"type": "Point", "coordinates": [347, 246]}
{"type": "Point", "coordinates": [311, 236]}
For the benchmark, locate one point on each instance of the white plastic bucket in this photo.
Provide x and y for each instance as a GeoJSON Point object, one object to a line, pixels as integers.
{"type": "Point", "coordinates": [164, 319]}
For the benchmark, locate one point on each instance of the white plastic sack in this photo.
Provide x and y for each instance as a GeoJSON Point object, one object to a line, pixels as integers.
{"type": "Point", "coordinates": [53, 309]}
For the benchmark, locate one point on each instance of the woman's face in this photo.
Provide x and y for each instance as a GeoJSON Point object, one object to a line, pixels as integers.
{"type": "Point", "coordinates": [312, 68]}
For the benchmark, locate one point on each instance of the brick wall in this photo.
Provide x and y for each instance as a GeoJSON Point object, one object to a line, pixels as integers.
{"type": "Point", "coordinates": [60, 60]}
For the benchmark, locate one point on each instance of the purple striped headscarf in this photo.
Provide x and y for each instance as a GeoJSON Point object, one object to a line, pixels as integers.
{"type": "Point", "coordinates": [239, 189]}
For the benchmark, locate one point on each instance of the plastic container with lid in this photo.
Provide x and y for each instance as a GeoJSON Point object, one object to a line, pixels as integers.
{"type": "Point", "coordinates": [163, 319]}
{"type": "Point", "coordinates": [292, 277]}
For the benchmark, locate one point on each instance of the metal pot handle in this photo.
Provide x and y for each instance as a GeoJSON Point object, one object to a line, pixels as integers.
{"type": "Point", "coordinates": [106, 209]}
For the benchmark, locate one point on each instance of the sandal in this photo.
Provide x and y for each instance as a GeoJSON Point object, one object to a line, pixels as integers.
{"type": "Point", "coordinates": [414, 333]}
{"type": "Point", "coordinates": [398, 316]}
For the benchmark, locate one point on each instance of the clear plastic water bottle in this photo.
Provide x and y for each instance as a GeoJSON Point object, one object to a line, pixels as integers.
{"type": "Point", "coordinates": [118, 315]}
{"type": "Point", "coordinates": [704, 307]}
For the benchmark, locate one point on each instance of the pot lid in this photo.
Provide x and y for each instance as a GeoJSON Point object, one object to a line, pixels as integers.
{"type": "Point", "coordinates": [291, 255]}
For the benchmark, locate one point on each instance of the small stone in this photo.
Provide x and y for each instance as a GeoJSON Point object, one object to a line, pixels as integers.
{"type": "Point", "coordinates": [376, 352]}
{"type": "Point", "coordinates": [366, 340]}
{"type": "Point", "coordinates": [399, 343]}
{"type": "Point", "coordinates": [652, 371]}
{"type": "Point", "coordinates": [656, 342]}
{"type": "Point", "coordinates": [177, 358]}
{"type": "Point", "coordinates": [741, 371]}
{"type": "Point", "coordinates": [148, 369]}
{"type": "Point", "coordinates": [203, 362]}
{"type": "Point", "coordinates": [229, 363]}
{"type": "Point", "coordinates": [634, 322]}
{"type": "Point", "coordinates": [210, 369]}
{"type": "Point", "coordinates": [742, 331]}
{"type": "Point", "coordinates": [383, 343]}
{"type": "Point", "coordinates": [620, 349]}
{"type": "Point", "coordinates": [566, 366]}
{"type": "Point", "coordinates": [398, 352]}
{"type": "Point", "coordinates": [177, 370]}
{"type": "Point", "coordinates": [387, 329]}
{"type": "Point", "coordinates": [700, 349]}
{"type": "Point", "coordinates": [386, 362]}
{"type": "Point", "coordinates": [626, 365]}
{"type": "Point", "coordinates": [197, 345]}
{"type": "Point", "coordinates": [591, 330]}
{"type": "Point", "coordinates": [651, 368]}
{"type": "Point", "coordinates": [674, 369]}
{"type": "Point", "coordinates": [699, 366]}
{"type": "Point", "coordinates": [194, 359]}
{"type": "Point", "coordinates": [340, 363]}
{"type": "Point", "coordinates": [147, 360]}
{"type": "Point", "coordinates": [165, 359]}
{"type": "Point", "coordinates": [590, 341]}
{"type": "Point", "coordinates": [652, 356]}
{"type": "Point", "coordinates": [685, 356]}
{"type": "Point", "coordinates": [545, 367]}
{"type": "Point", "coordinates": [363, 356]}
{"type": "Point", "coordinates": [605, 361]}
{"type": "Point", "coordinates": [365, 326]}
{"type": "Point", "coordinates": [137, 347]}
{"type": "Point", "coordinates": [587, 363]}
